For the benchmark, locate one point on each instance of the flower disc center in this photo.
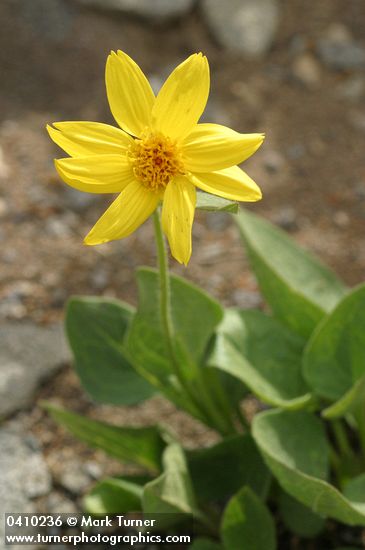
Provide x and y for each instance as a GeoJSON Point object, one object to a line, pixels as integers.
{"type": "Point", "coordinates": [156, 159]}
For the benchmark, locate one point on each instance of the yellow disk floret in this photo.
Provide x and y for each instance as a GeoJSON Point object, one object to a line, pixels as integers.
{"type": "Point", "coordinates": [156, 159]}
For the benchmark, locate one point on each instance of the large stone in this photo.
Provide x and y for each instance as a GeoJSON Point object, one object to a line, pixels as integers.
{"type": "Point", "coordinates": [24, 475]}
{"type": "Point", "coordinates": [152, 10]}
{"type": "Point", "coordinates": [246, 26]}
{"type": "Point", "coordinates": [50, 19]}
{"type": "Point", "coordinates": [28, 355]}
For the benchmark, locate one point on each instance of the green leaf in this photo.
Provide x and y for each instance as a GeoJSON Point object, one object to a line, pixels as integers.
{"type": "Point", "coordinates": [115, 496]}
{"type": "Point", "coordinates": [219, 471]}
{"type": "Point", "coordinates": [298, 518]}
{"type": "Point", "coordinates": [142, 446]}
{"type": "Point", "coordinates": [247, 523]}
{"type": "Point", "coordinates": [205, 544]}
{"type": "Point", "coordinates": [264, 355]}
{"type": "Point", "coordinates": [299, 289]}
{"type": "Point", "coordinates": [355, 491]}
{"type": "Point", "coordinates": [295, 448]}
{"type": "Point", "coordinates": [334, 359]}
{"type": "Point", "coordinates": [172, 492]}
{"type": "Point", "coordinates": [212, 203]}
{"type": "Point", "coordinates": [95, 329]}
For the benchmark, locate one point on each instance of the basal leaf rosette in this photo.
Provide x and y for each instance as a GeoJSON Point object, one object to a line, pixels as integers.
{"type": "Point", "coordinates": [160, 153]}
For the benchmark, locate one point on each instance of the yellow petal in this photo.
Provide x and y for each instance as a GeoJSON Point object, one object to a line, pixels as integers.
{"type": "Point", "coordinates": [129, 93]}
{"type": "Point", "coordinates": [89, 138]}
{"type": "Point", "coordinates": [211, 147]}
{"type": "Point", "coordinates": [182, 99]}
{"type": "Point", "coordinates": [230, 183]}
{"type": "Point", "coordinates": [129, 210]}
{"type": "Point", "coordinates": [177, 217]}
{"type": "Point", "coordinates": [96, 174]}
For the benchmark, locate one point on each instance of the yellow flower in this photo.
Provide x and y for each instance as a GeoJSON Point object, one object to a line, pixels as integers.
{"type": "Point", "coordinates": [160, 153]}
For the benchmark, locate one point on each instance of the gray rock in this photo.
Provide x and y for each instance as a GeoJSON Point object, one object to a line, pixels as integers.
{"type": "Point", "coordinates": [57, 227]}
{"type": "Point", "coordinates": [28, 355]}
{"type": "Point", "coordinates": [287, 218]}
{"type": "Point", "coordinates": [246, 26]}
{"type": "Point", "coordinates": [298, 45]}
{"type": "Point", "coordinates": [51, 19]}
{"type": "Point", "coordinates": [11, 307]}
{"type": "Point", "coordinates": [74, 478]}
{"type": "Point", "coordinates": [247, 299]}
{"type": "Point", "coordinates": [338, 50]}
{"type": "Point", "coordinates": [217, 221]}
{"type": "Point", "coordinates": [11, 304]}
{"type": "Point", "coordinates": [296, 151]}
{"type": "Point", "coordinates": [93, 469]}
{"type": "Point", "coordinates": [273, 161]}
{"type": "Point", "coordinates": [357, 120]}
{"type": "Point", "coordinates": [39, 483]}
{"type": "Point", "coordinates": [352, 89]}
{"type": "Point", "coordinates": [24, 475]}
{"type": "Point", "coordinates": [100, 278]}
{"type": "Point", "coordinates": [58, 504]}
{"type": "Point", "coordinates": [77, 200]}
{"type": "Point", "coordinates": [152, 10]}
{"type": "Point", "coordinates": [360, 190]}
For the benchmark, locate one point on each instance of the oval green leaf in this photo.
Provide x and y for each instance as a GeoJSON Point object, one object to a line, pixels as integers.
{"type": "Point", "coordinates": [247, 523]}
{"type": "Point", "coordinates": [95, 328]}
{"type": "Point", "coordinates": [334, 359]}
{"type": "Point", "coordinates": [221, 470]}
{"type": "Point", "coordinates": [115, 496]}
{"type": "Point", "coordinates": [297, 286]}
{"type": "Point", "coordinates": [295, 448]}
{"type": "Point", "coordinates": [299, 518]}
{"type": "Point", "coordinates": [264, 354]}
{"type": "Point", "coordinates": [172, 493]}
{"type": "Point", "coordinates": [142, 446]}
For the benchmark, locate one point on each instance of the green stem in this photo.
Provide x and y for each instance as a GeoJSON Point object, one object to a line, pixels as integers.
{"type": "Point", "coordinates": [164, 287]}
{"type": "Point", "coordinates": [165, 309]}
{"type": "Point", "coordinates": [199, 402]}
{"type": "Point", "coordinates": [211, 398]}
{"type": "Point", "coordinates": [360, 419]}
{"type": "Point", "coordinates": [336, 464]}
{"type": "Point", "coordinates": [341, 438]}
{"type": "Point", "coordinates": [220, 397]}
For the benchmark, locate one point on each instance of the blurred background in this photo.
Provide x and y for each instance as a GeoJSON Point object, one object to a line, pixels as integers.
{"type": "Point", "coordinates": [292, 69]}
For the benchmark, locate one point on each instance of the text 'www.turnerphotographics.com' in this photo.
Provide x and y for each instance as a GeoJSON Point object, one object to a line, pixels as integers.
{"type": "Point", "coordinates": [82, 530]}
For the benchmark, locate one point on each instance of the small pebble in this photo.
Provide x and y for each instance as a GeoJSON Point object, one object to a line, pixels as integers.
{"type": "Point", "coordinates": [341, 218]}
{"type": "Point", "coordinates": [286, 218]}
{"type": "Point", "coordinates": [307, 71]}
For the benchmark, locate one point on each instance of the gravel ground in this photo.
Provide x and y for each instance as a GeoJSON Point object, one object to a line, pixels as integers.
{"type": "Point", "coordinates": [311, 170]}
